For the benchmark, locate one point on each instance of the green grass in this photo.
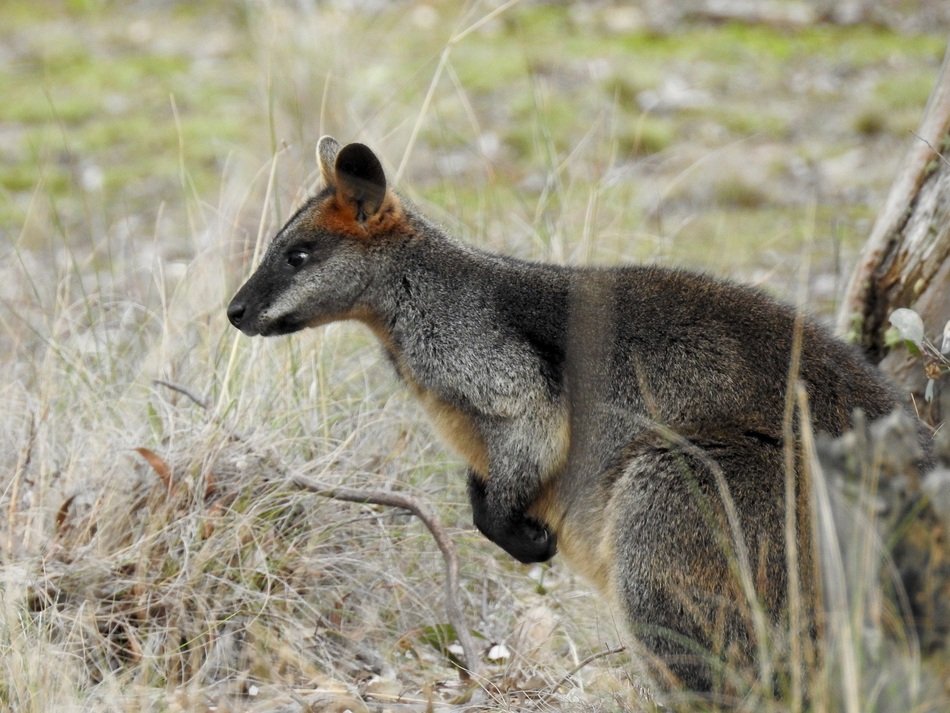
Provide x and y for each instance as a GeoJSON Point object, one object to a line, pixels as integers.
{"type": "Point", "coordinates": [136, 148]}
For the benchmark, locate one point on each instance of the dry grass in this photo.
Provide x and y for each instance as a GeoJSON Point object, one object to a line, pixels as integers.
{"type": "Point", "coordinates": [156, 554]}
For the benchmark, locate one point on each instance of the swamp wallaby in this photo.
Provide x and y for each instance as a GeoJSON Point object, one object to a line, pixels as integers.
{"type": "Point", "coordinates": [615, 414]}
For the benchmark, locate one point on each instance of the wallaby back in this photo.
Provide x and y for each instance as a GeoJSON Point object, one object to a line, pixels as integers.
{"type": "Point", "coordinates": [634, 416]}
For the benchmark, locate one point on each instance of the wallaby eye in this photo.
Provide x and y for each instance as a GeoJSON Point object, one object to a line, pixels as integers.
{"type": "Point", "coordinates": [296, 258]}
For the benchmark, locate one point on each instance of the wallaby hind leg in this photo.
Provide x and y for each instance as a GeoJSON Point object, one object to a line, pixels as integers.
{"type": "Point", "coordinates": [678, 565]}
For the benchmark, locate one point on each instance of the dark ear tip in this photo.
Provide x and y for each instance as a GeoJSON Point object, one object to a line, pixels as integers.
{"type": "Point", "coordinates": [359, 161]}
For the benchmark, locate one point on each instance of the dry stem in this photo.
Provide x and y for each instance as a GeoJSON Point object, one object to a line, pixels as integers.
{"type": "Point", "coordinates": [435, 527]}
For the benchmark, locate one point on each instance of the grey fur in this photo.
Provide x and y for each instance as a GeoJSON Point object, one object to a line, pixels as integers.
{"type": "Point", "coordinates": [600, 409]}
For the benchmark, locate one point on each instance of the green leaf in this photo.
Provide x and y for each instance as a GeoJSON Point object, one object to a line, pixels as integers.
{"type": "Point", "coordinates": [440, 637]}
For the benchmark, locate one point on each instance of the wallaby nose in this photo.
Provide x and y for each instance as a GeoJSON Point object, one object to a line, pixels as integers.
{"type": "Point", "coordinates": [235, 313]}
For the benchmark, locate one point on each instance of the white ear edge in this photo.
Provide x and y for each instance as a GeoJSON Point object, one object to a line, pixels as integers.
{"type": "Point", "coordinates": [327, 149]}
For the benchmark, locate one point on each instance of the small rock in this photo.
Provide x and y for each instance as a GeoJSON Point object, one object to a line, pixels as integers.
{"type": "Point", "coordinates": [498, 652]}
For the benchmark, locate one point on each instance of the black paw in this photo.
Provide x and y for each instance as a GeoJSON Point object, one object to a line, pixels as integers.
{"type": "Point", "coordinates": [524, 538]}
{"type": "Point", "coordinates": [529, 541]}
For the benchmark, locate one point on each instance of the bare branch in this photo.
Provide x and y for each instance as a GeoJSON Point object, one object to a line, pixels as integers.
{"type": "Point", "coordinates": [181, 390]}
{"type": "Point", "coordinates": [430, 520]}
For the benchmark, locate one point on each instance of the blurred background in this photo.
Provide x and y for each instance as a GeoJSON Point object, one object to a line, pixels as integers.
{"type": "Point", "coordinates": [149, 149]}
{"type": "Point", "coordinates": [713, 133]}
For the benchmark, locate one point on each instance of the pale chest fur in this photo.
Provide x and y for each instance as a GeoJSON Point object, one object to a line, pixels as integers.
{"type": "Point", "coordinates": [583, 537]}
{"type": "Point", "coordinates": [455, 427]}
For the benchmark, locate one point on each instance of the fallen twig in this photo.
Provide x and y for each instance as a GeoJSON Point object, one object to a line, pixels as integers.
{"type": "Point", "coordinates": [181, 390]}
{"type": "Point", "coordinates": [932, 148]}
{"type": "Point", "coordinates": [593, 657]}
{"type": "Point", "coordinates": [435, 527]}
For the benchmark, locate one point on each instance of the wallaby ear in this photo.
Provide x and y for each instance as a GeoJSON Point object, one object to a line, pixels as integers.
{"type": "Point", "coordinates": [360, 180]}
{"type": "Point", "coordinates": [327, 150]}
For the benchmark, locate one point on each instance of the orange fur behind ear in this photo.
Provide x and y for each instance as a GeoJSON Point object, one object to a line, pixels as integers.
{"type": "Point", "coordinates": [338, 216]}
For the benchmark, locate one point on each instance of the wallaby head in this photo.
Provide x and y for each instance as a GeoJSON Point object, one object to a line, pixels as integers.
{"type": "Point", "coordinates": [322, 260]}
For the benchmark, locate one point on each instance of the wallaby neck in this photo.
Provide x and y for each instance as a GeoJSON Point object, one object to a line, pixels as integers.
{"type": "Point", "coordinates": [448, 315]}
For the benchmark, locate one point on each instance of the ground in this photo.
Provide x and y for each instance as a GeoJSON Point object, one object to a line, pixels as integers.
{"type": "Point", "coordinates": [155, 554]}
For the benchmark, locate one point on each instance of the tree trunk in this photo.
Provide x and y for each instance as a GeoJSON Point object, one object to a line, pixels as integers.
{"type": "Point", "coordinates": [906, 260]}
{"type": "Point", "coordinates": [906, 263]}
